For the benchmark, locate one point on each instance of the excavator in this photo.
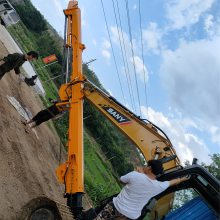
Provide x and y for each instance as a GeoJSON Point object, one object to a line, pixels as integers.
{"type": "Point", "coordinates": [150, 140]}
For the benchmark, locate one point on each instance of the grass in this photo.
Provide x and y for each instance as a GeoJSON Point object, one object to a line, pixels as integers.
{"type": "Point", "coordinates": [100, 182]}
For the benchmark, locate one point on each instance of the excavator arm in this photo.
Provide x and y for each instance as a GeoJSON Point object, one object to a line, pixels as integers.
{"type": "Point", "coordinates": [151, 141]}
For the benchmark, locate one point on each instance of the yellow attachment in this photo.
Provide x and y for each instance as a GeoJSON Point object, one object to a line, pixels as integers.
{"type": "Point", "coordinates": [64, 92]}
{"type": "Point", "coordinates": [73, 171]}
{"type": "Point", "coordinates": [60, 172]}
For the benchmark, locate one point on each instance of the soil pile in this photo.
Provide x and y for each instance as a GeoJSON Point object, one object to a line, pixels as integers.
{"type": "Point", "coordinates": [28, 158]}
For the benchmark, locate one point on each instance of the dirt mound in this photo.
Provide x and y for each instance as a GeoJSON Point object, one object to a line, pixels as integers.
{"type": "Point", "coordinates": [28, 159]}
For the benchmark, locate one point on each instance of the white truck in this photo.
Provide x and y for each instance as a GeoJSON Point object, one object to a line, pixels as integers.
{"type": "Point", "coordinates": [8, 14]}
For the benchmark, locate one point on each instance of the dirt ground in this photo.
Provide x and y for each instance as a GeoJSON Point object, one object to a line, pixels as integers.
{"type": "Point", "coordinates": [27, 164]}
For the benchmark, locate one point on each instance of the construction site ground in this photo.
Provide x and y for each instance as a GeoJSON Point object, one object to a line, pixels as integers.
{"type": "Point", "coordinates": [28, 157]}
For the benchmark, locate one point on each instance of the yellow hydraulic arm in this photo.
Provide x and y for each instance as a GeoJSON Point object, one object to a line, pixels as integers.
{"type": "Point", "coordinates": [71, 173]}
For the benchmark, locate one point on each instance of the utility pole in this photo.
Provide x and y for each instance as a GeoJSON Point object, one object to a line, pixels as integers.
{"type": "Point", "coordinates": [92, 60]}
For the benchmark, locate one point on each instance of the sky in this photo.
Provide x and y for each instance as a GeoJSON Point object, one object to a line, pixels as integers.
{"type": "Point", "coordinates": [159, 58]}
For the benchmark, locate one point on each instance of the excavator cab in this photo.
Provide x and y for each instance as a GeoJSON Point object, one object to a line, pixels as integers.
{"type": "Point", "coordinates": [200, 180]}
{"type": "Point", "coordinates": [205, 184]}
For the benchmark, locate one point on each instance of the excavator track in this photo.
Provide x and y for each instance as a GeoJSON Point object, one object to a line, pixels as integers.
{"type": "Point", "coordinates": [43, 208]}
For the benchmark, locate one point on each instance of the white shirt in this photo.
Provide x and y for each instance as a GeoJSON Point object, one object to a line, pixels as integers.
{"type": "Point", "coordinates": [135, 195]}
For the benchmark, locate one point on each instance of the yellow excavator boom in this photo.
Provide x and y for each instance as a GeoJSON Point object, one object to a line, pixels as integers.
{"type": "Point", "coordinates": [149, 139]}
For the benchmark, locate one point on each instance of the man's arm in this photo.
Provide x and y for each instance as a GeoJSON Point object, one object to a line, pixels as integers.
{"type": "Point", "coordinates": [178, 180]}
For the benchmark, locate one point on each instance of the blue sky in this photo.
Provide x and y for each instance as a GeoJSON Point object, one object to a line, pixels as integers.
{"type": "Point", "coordinates": [181, 68]}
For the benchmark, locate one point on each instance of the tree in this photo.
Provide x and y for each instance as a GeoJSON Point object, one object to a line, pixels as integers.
{"type": "Point", "coordinates": [31, 17]}
{"type": "Point", "coordinates": [214, 167]}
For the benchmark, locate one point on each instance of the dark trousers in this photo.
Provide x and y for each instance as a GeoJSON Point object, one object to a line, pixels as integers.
{"type": "Point", "coordinates": [42, 116]}
{"type": "Point", "coordinates": [110, 213]}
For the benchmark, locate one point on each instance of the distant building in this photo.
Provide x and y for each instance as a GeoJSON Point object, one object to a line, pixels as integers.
{"type": "Point", "coordinates": [8, 15]}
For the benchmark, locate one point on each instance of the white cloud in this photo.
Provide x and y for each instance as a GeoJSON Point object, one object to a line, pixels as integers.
{"type": "Point", "coordinates": [106, 54]}
{"type": "Point", "coordinates": [209, 23]}
{"type": "Point", "coordinates": [106, 44]}
{"type": "Point", "coordinates": [58, 7]}
{"type": "Point", "coordinates": [184, 13]}
{"type": "Point", "coordinates": [212, 26]}
{"type": "Point", "coordinates": [105, 49]}
{"type": "Point", "coordinates": [125, 41]}
{"type": "Point", "coordinates": [187, 145]}
{"type": "Point", "coordinates": [138, 62]}
{"type": "Point", "coordinates": [215, 132]}
{"type": "Point", "coordinates": [191, 75]}
{"type": "Point", "coordinates": [119, 35]}
{"type": "Point", "coordinates": [140, 68]}
{"type": "Point", "coordinates": [152, 37]}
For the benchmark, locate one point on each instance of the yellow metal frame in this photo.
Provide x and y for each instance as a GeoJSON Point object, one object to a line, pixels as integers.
{"type": "Point", "coordinates": [72, 172]}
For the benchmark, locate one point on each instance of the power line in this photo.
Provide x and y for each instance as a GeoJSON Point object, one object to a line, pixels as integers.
{"type": "Point", "coordinates": [112, 50]}
{"type": "Point", "coordinates": [122, 52]}
{"type": "Point", "coordinates": [142, 53]}
{"type": "Point", "coordinates": [126, 59]}
{"type": "Point", "coordinates": [132, 50]}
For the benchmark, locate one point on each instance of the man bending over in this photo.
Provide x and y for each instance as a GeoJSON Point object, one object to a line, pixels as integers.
{"type": "Point", "coordinates": [15, 60]}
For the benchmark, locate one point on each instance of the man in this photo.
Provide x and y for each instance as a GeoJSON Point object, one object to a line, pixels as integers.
{"type": "Point", "coordinates": [140, 187]}
{"type": "Point", "coordinates": [46, 114]}
{"type": "Point", "coordinates": [15, 60]}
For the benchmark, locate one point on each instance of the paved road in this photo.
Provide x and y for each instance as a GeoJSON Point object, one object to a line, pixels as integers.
{"type": "Point", "coordinates": [12, 47]}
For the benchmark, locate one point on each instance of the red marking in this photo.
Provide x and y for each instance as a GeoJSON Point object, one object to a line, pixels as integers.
{"type": "Point", "coordinates": [126, 123]}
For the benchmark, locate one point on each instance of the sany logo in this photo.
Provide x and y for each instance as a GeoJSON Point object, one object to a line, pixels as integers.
{"type": "Point", "coordinates": [121, 119]}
